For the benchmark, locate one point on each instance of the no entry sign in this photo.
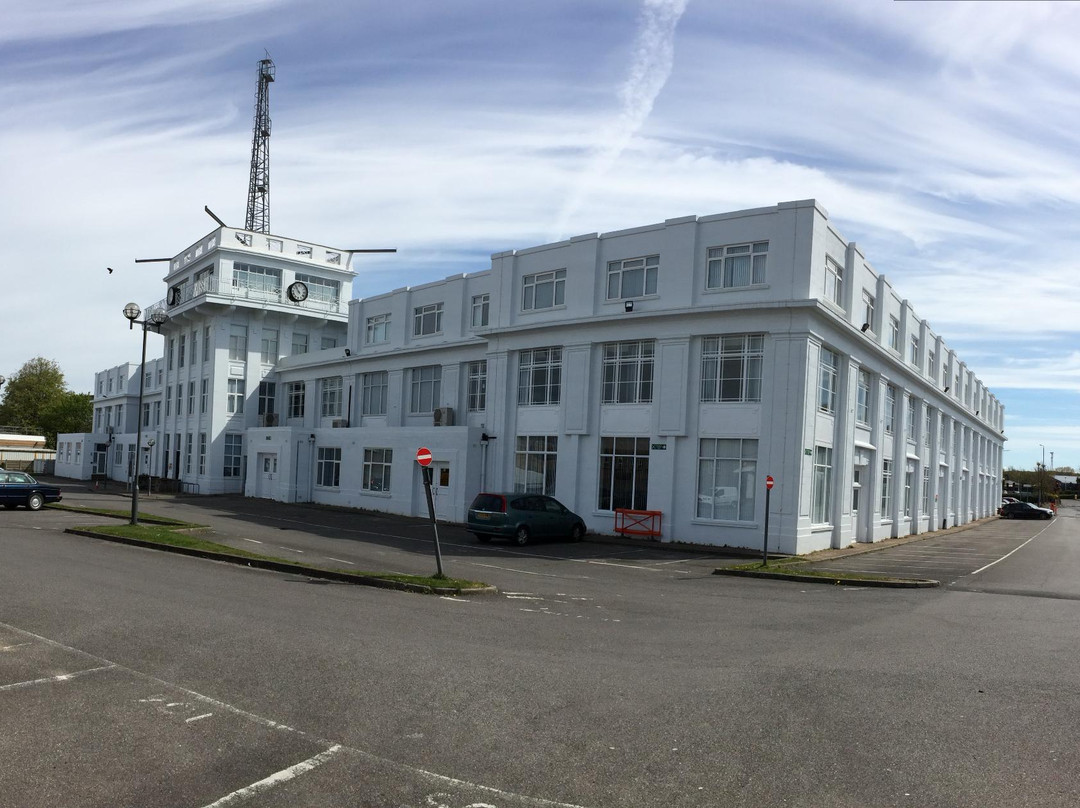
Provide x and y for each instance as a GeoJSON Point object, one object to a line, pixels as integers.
{"type": "Point", "coordinates": [423, 456]}
{"type": "Point", "coordinates": [769, 482]}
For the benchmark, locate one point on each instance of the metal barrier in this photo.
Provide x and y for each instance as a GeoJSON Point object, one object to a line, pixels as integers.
{"type": "Point", "coordinates": [189, 488]}
{"type": "Point", "coordinates": [638, 523]}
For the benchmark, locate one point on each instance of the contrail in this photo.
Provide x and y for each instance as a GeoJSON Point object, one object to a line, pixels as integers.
{"type": "Point", "coordinates": [654, 53]}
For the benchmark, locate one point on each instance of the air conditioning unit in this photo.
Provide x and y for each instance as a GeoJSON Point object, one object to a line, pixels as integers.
{"type": "Point", "coordinates": [268, 419]}
{"type": "Point", "coordinates": [444, 416]}
{"type": "Point", "coordinates": [339, 423]}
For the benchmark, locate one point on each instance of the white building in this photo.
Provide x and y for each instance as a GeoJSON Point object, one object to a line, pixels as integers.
{"type": "Point", "coordinates": [666, 368]}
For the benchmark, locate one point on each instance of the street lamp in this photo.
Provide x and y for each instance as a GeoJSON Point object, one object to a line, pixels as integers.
{"type": "Point", "coordinates": [1042, 471]}
{"type": "Point", "coordinates": [155, 321]}
{"type": "Point", "coordinates": [150, 483]}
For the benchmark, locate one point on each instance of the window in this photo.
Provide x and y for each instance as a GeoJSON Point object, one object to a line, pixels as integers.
{"type": "Point", "coordinates": [236, 397]}
{"type": "Point", "coordinates": [181, 351]}
{"type": "Point", "coordinates": [821, 494]}
{"type": "Point", "coordinates": [373, 393]}
{"type": "Point", "coordinates": [191, 398]}
{"type": "Point", "coordinates": [206, 344]}
{"type": "Point", "coordinates": [427, 320]}
{"type": "Point", "coordinates": [146, 414]}
{"type": "Point", "coordinates": [267, 397]}
{"type": "Point", "coordinates": [632, 277]}
{"type": "Point", "coordinates": [909, 421]}
{"type": "Point", "coordinates": [886, 489]}
{"type": "Point", "coordinates": [943, 435]}
{"type": "Point", "coordinates": [540, 376]}
{"type": "Point", "coordinates": [118, 455]}
{"type": "Point", "coordinates": [478, 386]}
{"type": "Point", "coordinates": [238, 343]}
{"type": "Point", "coordinates": [544, 290]}
{"type": "Point", "coordinates": [909, 481]}
{"type": "Point", "coordinates": [330, 396]}
{"type": "Point", "coordinates": [378, 328]}
{"type": "Point", "coordinates": [269, 346]}
{"type": "Point", "coordinates": [328, 342]}
{"type": "Point", "coordinates": [628, 372]}
{"type": "Point", "coordinates": [894, 334]}
{"type": "Point", "coordinates": [480, 306]}
{"type": "Point", "coordinates": [202, 453]}
{"type": "Point", "coordinates": [535, 460]}
{"type": "Point", "coordinates": [927, 423]}
{"type": "Point", "coordinates": [188, 453]}
{"type": "Point", "coordinates": [193, 346]}
{"type": "Point", "coordinates": [148, 380]}
{"type": "Point", "coordinates": [160, 376]}
{"type": "Point", "coordinates": [737, 265]}
{"type": "Point", "coordinates": [834, 282]}
{"type": "Point", "coordinates": [157, 413]}
{"type": "Point", "coordinates": [727, 479]}
{"type": "Point", "coordinates": [377, 463]}
{"type": "Point", "coordinates": [322, 290]}
{"type": "Point", "coordinates": [931, 365]}
{"type": "Point", "coordinates": [914, 353]}
{"type": "Point", "coordinates": [233, 444]}
{"type": "Point", "coordinates": [862, 398]}
{"type": "Point", "coordinates": [426, 382]}
{"type": "Point", "coordinates": [624, 473]}
{"type": "Point", "coordinates": [204, 395]}
{"type": "Point", "coordinates": [168, 358]}
{"type": "Point", "coordinates": [263, 280]}
{"type": "Point", "coordinates": [168, 402]}
{"type": "Point", "coordinates": [926, 490]}
{"type": "Point", "coordinates": [890, 409]}
{"type": "Point", "coordinates": [731, 367]}
{"type": "Point", "coordinates": [78, 451]}
{"type": "Point", "coordinates": [179, 399]}
{"type": "Point", "coordinates": [828, 373]}
{"type": "Point", "coordinates": [299, 343]}
{"type": "Point", "coordinates": [296, 393]}
{"type": "Point", "coordinates": [868, 309]}
{"type": "Point", "coordinates": [328, 467]}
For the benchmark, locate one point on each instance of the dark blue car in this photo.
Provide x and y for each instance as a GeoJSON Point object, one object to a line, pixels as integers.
{"type": "Point", "coordinates": [18, 488]}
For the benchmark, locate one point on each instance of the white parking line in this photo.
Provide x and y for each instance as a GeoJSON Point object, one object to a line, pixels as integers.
{"type": "Point", "coordinates": [63, 677]}
{"type": "Point", "coordinates": [253, 541]}
{"type": "Point", "coordinates": [283, 776]}
{"type": "Point", "coordinates": [197, 718]}
{"type": "Point", "coordinates": [1025, 544]}
{"type": "Point", "coordinates": [340, 560]}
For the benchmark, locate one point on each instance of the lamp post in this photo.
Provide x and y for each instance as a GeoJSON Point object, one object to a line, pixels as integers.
{"type": "Point", "coordinates": [150, 482]}
{"type": "Point", "coordinates": [155, 321]}
{"type": "Point", "coordinates": [1041, 472]}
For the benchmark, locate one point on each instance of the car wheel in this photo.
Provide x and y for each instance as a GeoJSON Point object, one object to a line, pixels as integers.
{"type": "Point", "coordinates": [521, 538]}
{"type": "Point", "coordinates": [578, 532]}
{"type": "Point", "coordinates": [35, 501]}
{"type": "Point", "coordinates": [480, 537]}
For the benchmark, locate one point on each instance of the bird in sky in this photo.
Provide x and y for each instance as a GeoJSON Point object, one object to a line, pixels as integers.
{"type": "Point", "coordinates": [110, 270]}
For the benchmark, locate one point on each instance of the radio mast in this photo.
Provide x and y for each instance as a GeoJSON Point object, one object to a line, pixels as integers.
{"type": "Point", "coordinates": [258, 205]}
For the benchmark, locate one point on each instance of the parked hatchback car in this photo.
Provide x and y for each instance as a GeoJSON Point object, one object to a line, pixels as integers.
{"type": "Point", "coordinates": [1024, 510]}
{"type": "Point", "coordinates": [523, 518]}
{"type": "Point", "coordinates": [18, 488]}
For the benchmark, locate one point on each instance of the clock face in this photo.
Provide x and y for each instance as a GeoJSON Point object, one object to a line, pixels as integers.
{"type": "Point", "coordinates": [297, 292]}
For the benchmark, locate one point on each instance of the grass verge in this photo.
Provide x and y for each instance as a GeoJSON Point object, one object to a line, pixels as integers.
{"type": "Point", "coordinates": [149, 519]}
{"type": "Point", "coordinates": [794, 569]}
{"type": "Point", "coordinates": [171, 535]}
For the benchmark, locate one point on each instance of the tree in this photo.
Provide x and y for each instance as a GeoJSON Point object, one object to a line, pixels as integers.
{"type": "Point", "coordinates": [69, 412]}
{"type": "Point", "coordinates": [35, 388]}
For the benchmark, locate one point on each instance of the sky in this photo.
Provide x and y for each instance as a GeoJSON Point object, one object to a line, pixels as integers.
{"type": "Point", "coordinates": [941, 137]}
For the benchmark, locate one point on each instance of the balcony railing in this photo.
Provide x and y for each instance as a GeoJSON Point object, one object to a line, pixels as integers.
{"type": "Point", "coordinates": [261, 293]}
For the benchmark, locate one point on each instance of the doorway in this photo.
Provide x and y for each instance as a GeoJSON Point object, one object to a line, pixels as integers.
{"type": "Point", "coordinates": [441, 491]}
{"type": "Point", "coordinates": [264, 487]}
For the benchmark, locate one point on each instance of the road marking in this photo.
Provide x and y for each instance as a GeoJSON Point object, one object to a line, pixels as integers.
{"type": "Point", "coordinates": [1025, 544]}
{"type": "Point", "coordinates": [253, 541]}
{"type": "Point", "coordinates": [529, 572]}
{"type": "Point", "coordinates": [63, 677]}
{"type": "Point", "coordinates": [197, 718]}
{"type": "Point", "coordinates": [291, 549]}
{"type": "Point", "coordinates": [283, 776]}
{"type": "Point", "coordinates": [340, 560]}
{"type": "Point", "coordinates": [17, 645]}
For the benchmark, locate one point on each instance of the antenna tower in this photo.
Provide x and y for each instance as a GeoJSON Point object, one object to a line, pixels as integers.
{"type": "Point", "coordinates": [258, 205]}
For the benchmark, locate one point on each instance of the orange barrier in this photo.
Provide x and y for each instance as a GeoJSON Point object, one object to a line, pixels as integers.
{"type": "Point", "coordinates": [638, 523]}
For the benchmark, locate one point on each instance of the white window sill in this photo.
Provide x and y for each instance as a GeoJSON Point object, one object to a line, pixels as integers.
{"type": "Point", "coordinates": [711, 290]}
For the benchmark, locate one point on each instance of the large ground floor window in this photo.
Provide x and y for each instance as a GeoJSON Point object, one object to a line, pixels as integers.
{"type": "Point", "coordinates": [534, 464]}
{"type": "Point", "coordinates": [328, 467]}
{"type": "Point", "coordinates": [821, 489]}
{"type": "Point", "coordinates": [727, 479]}
{"type": "Point", "coordinates": [377, 464]}
{"type": "Point", "coordinates": [624, 473]}
{"type": "Point", "coordinates": [234, 442]}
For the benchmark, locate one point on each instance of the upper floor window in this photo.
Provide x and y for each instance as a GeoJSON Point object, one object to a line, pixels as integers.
{"type": "Point", "coordinates": [868, 310]}
{"type": "Point", "coordinates": [477, 386]}
{"type": "Point", "coordinates": [894, 334]}
{"type": "Point", "coordinates": [238, 343]}
{"type": "Point", "coordinates": [909, 422]}
{"type": "Point", "coordinates": [480, 308]}
{"type": "Point", "coordinates": [737, 265]}
{"type": "Point", "coordinates": [168, 358]}
{"type": "Point", "coordinates": [540, 376]}
{"type": "Point", "coordinates": [327, 342]}
{"type": "Point", "coordinates": [206, 344]}
{"type": "Point", "coordinates": [330, 396]}
{"type": "Point", "coordinates": [426, 383]}
{"type": "Point", "coordinates": [427, 319]}
{"type": "Point", "coordinates": [299, 343]}
{"type": "Point", "coordinates": [181, 350]}
{"type": "Point", "coordinates": [378, 328]}
{"type": "Point", "coordinates": [931, 365]}
{"type": "Point", "coordinates": [834, 282]}
{"type": "Point", "coordinates": [862, 399]}
{"type": "Point", "coordinates": [235, 404]}
{"type": "Point", "coordinates": [731, 367]}
{"type": "Point", "coordinates": [263, 279]}
{"type": "Point", "coordinates": [914, 352]}
{"type": "Point", "coordinates": [295, 392]}
{"type": "Point", "coordinates": [373, 393]}
{"type": "Point", "coordinates": [628, 372]}
{"type": "Point", "coordinates": [269, 346]}
{"type": "Point", "coordinates": [632, 277]}
{"type": "Point", "coordinates": [544, 290]}
{"type": "Point", "coordinates": [890, 409]}
{"type": "Point", "coordinates": [828, 373]}
{"type": "Point", "coordinates": [321, 289]}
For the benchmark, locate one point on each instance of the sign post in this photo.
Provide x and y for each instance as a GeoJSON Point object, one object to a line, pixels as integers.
{"type": "Point", "coordinates": [765, 542]}
{"type": "Point", "coordinates": [423, 457]}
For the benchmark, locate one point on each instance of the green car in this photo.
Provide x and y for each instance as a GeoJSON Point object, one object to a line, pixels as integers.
{"type": "Point", "coordinates": [523, 517]}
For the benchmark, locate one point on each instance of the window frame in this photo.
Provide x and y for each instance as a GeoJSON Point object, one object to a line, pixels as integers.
{"type": "Point", "coordinates": [536, 281]}
{"type": "Point", "coordinates": [722, 266]}
{"type": "Point", "coordinates": [427, 320]}
{"type": "Point", "coordinates": [619, 270]}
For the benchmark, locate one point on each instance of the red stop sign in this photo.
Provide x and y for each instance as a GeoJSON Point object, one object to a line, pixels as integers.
{"type": "Point", "coordinates": [769, 482]}
{"type": "Point", "coordinates": [423, 456]}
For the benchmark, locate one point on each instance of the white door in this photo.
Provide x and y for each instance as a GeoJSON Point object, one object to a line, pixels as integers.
{"type": "Point", "coordinates": [267, 475]}
{"type": "Point", "coordinates": [441, 490]}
